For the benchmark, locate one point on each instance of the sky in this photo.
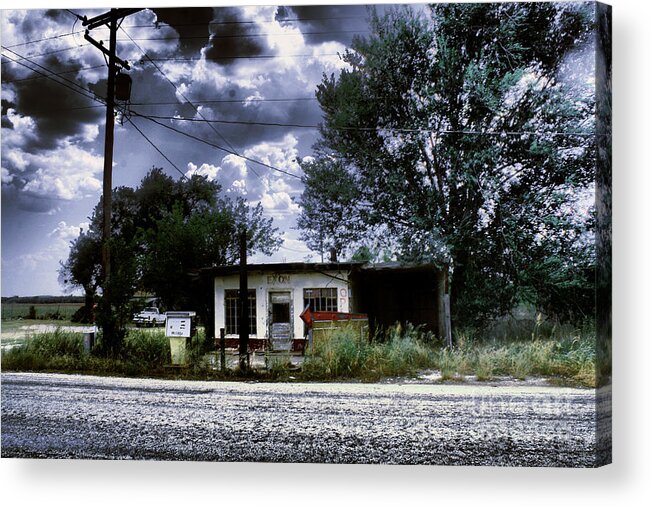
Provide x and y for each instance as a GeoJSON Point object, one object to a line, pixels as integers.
{"type": "Point", "coordinates": [246, 67]}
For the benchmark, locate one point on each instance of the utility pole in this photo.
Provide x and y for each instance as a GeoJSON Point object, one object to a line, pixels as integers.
{"type": "Point", "coordinates": [244, 305]}
{"type": "Point", "coordinates": [110, 19]}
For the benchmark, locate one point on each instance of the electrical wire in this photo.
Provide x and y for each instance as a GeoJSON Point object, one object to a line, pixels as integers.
{"type": "Point", "coordinates": [176, 88]}
{"type": "Point", "coordinates": [83, 69]}
{"type": "Point", "coordinates": [186, 99]}
{"type": "Point", "coordinates": [156, 147]}
{"type": "Point", "coordinates": [243, 36]}
{"type": "Point", "coordinates": [53, 37]}
{"type": "Point", "coordinates": [52, 52]}
{"type": "Point", "coordinates": [221, 148]}
{"type": "Point", "coordinates": [44, 68]}
{"type": "Point", "coordinates": [240, 57]}
{"type": "Point", "coordinates": [226, 101]}
{"type": "Point", "coordinates": [75, 89]}
{"type": "Point", "coordinates": [371, 129]}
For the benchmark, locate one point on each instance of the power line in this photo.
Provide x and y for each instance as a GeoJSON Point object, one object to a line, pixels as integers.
{"type": "Point", "coordinates": [82, 69]}
{"type": "Point", "coordinates": [227, 101]}
{"type": "Point", "coordinates": [240, 57]}
{"type": "Point", "coordinates": [244, 36]}
{"type": "Point", "coordinates": [156, 147]}
{"type": "Point", "coordinates": [371, 129]}
{"type": "Point", "coordinates": [232, 152]}
{"type": "Point", "coordinates": [144, 104]}
{"type": "Point", "coordinates": [59, 36]}
{"type": "Point", "coordinates": [193, 37]}
{"type": "Point", "coordinates": [294, 125]}
{"type": "Point", "coordinates": [75, 89]}
{"type": "Point", "coordinates": [248, 22]}
{"type": "Point", "coordinates": [52, 52]}
{"type": "Point", "coordinates": [176, 87]}
{"type": "Point", "coordinates": [183, 95]}
{"type": "Point", "coordinates": [44, 68]}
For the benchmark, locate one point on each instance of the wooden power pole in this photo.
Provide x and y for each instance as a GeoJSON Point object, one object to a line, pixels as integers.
{"type": "Point", "coordinates": [110, 19]}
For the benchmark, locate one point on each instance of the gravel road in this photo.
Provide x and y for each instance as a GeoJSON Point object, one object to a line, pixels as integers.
{"type": "Point", "coordinates": [68, 416]}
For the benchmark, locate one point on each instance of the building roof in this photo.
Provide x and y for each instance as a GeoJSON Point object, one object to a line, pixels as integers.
{"type": "Point", "coordinates": [317, 267]}
{"type": "Point", "coordinates": [400, 266]}
{"type": "Point", "coordinates": [284, 267]}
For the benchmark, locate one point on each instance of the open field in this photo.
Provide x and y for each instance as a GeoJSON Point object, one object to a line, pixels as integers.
{"type": "Point", "coordinates": [18, 331]}
{"type": "Point", "coordinates": [41, 310]}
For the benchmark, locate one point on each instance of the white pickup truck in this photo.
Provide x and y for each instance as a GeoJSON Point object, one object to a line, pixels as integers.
{"type": "Point", "coordinates": [149, 317]}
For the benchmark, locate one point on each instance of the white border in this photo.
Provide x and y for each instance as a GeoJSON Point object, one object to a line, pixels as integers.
{"type": "Point", "coordinates": [69, 483]}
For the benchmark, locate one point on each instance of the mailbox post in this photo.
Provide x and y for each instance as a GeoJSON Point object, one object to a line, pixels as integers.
{"type": "Point", "coordinates": [179, 328]}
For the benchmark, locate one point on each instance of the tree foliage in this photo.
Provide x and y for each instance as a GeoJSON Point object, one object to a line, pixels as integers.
{"type": "Point", "coordinates": [328, 204]}
{"type": "Point", "coordinates": [162, 233]}
{"type": "Point", "coordinates": [466, 136]}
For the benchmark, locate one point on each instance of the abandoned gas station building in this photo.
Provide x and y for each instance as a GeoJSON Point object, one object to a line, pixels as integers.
{"type": "Point", "coordinates": [278, 294]}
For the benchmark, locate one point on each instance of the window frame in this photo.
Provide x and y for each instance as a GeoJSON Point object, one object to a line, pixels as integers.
{"type": "Point", "coordinates": [325, 299]}
{"type": "Point", "coordinates": [231, 312]}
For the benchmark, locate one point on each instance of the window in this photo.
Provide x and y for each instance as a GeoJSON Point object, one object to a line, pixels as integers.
{"type": "Point", "coordinates": [232, 311]}
{"type": "Point", "coordinates": [320, 300]}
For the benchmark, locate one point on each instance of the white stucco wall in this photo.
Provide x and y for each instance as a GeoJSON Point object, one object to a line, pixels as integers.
{"type": "Point", "coordinates": [265, 283]}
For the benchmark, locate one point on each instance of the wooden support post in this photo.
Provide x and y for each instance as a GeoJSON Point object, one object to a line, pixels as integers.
{"type": "Point", "coordinates": [222, 349]}
{"type": "Point", "coordinates": [108, 154]}
{"type": "Point", "coordinates": [244, 306]}
{"type": "Point", "coordinates": [444, 324]}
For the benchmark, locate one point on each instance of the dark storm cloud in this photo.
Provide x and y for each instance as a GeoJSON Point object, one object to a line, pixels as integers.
{"type": "Point", "coordinates": [192, 25]}
{"type": "Point", "coordinates": [323, 23]}
{"type": "Point", "coordinates": [253, 116]}
{"type": "Point", "coordinates": [14, 200]}
{"type": "Point", "coordinates": [59, 15]}
{"type": "Point", "coordinates": [55, 108]}
{"type": "Point", "coordinates": [234, 38]}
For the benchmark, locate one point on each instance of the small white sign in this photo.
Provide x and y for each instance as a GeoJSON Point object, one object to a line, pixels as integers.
{"type": "Point", "coordinates": [178, 326]}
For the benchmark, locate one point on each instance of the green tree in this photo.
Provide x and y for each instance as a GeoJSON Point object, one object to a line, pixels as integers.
{"type": "Point", "coordinates": [467, 142]}
{"type": "Point", "coordinates": [163, 232]}
{"type": "Point", "coordinates": [330, 219]}
{"type": "Point", "coordinates": [82, 269]}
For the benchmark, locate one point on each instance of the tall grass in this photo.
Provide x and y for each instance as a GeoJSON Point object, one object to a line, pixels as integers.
{"type": "Point", "coordinates": [565, 354]}
{"type": "Point", "coordinates": [143, 353]}
{"type": "Point", "coordinates": [568, 356]}
{"type": "Point", "coordinates": [346, 354]}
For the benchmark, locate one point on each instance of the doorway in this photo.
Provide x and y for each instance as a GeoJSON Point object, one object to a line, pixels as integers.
{"type": "Point", "coordinates": [280, 321]}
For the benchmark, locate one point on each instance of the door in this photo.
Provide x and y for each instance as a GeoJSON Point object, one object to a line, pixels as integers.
{"type": "Point", "coordinates": [280, 321]}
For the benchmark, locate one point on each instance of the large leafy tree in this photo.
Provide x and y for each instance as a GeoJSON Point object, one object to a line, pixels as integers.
{"type": "Point", "coordinates": [328, 204]}
{"type": "Point", "coordinates": [162, 233]}
{"type": "Point", "coordinates": [468, 143]}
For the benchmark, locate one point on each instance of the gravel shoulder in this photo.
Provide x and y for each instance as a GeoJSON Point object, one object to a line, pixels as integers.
{"type": "Point", "coordinates": [70, 416]}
